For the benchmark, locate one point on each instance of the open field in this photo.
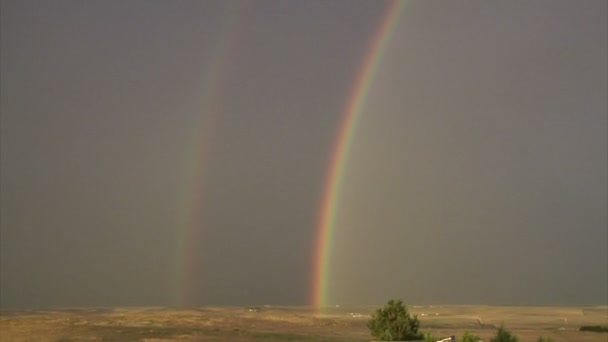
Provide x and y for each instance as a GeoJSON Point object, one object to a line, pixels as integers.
{"type": "Point", "coordinates": [281, 323]}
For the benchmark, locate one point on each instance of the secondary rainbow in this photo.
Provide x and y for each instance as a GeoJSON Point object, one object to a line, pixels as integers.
{"type": "Point", "coordinates": [190, 218]}
{"type": "Point", "coordinates": [339, 154]}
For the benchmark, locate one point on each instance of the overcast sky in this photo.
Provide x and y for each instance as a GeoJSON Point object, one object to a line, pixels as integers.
{"type": "Point", "coordinates": [477, 175]}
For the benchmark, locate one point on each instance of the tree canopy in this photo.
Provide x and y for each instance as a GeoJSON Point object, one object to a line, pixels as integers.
{"type": "Point", "coordinates": [393, 323]}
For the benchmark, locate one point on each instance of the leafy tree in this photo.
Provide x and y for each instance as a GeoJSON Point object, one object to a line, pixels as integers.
{"type": "Point", "coordinates": [503, 335]}
{"type": "Point", "coordinates": [468, 337]}
{"type": "Point", "coordinates": [393, 322]}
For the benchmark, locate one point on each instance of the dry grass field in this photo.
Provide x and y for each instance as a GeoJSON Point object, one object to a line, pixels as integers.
{"type": "Point", "coordinates": [274, 323]}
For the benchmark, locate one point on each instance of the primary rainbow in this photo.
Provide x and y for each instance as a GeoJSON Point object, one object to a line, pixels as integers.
{"type": "Point", "coordinates": [340, 151]}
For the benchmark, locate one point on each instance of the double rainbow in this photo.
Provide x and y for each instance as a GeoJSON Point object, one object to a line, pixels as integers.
{"type": "Point", "coordinates": [190, 230]}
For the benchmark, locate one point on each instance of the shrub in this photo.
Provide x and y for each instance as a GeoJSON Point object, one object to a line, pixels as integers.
{"type": "Point", "coordinates": [428, 337]}
{"type": "Point", "coordinates": [393, 322]}
{"type": "Point", "coordinates": [468, 337]}
{"type": "Point", "coordinates": [503, 335]}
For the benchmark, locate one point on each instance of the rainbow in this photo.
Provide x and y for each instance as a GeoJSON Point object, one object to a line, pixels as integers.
{"type": "Point", "coordinates": [190, 219]}
{"type": "Point", "coordinates": [339, 154]}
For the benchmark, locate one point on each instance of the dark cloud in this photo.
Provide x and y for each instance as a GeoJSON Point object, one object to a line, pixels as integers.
{"type": "Point", "coordinates": [477, 175]}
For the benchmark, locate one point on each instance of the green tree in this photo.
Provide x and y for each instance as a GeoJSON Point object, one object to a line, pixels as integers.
{"type": "Point", "coordinates": [545, 339]}
{"type": "Point", "coordinates": [468, 337]}
{"type": "Point", "coordinates": [393, 323]}
{"type": "Point", "coordinates": [503, 335]}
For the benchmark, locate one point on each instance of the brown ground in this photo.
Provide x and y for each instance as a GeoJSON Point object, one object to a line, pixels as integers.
{"type": "Point", "coordinates": [272, 323]}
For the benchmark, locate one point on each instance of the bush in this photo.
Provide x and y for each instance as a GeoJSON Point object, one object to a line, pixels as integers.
{"type": "Point", "coordinates": [468, 337]}
{"type": "Point", "coordinates": [428, 337]}
{"type": "Point", "coordinates": [503, 335]}
{"type": "Point", "coordinates": [544, 339]}
{"type": "Point", "coordinates": [393, 322]}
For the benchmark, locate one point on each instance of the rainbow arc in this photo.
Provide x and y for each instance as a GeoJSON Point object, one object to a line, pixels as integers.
{"type": "Point", "coordinates": [334, 177]}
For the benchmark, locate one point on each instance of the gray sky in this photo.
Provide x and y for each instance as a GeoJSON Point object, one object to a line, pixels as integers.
{"type": "Point", "coordinates": [478, 173]}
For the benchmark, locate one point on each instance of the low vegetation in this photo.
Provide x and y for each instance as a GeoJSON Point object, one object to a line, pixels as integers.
{"type": "Point", "coordinates": [503, 335]}
{"type": "Point", "coordinates": [394, 323]}
{"type": "Point", "coordinates": [594, 328]}
{"type": "Point", "coordinates": [544, 339]}
{"type": "Point", "coordinates": [469, 337]}
{"type": "Point", "coordinates": [281, 323]}
{"type": "Point", "coordinates": [428, 337]}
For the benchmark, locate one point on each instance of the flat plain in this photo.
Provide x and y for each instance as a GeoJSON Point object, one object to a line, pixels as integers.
{"type": "Point", "coordinates": [289, 323]}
